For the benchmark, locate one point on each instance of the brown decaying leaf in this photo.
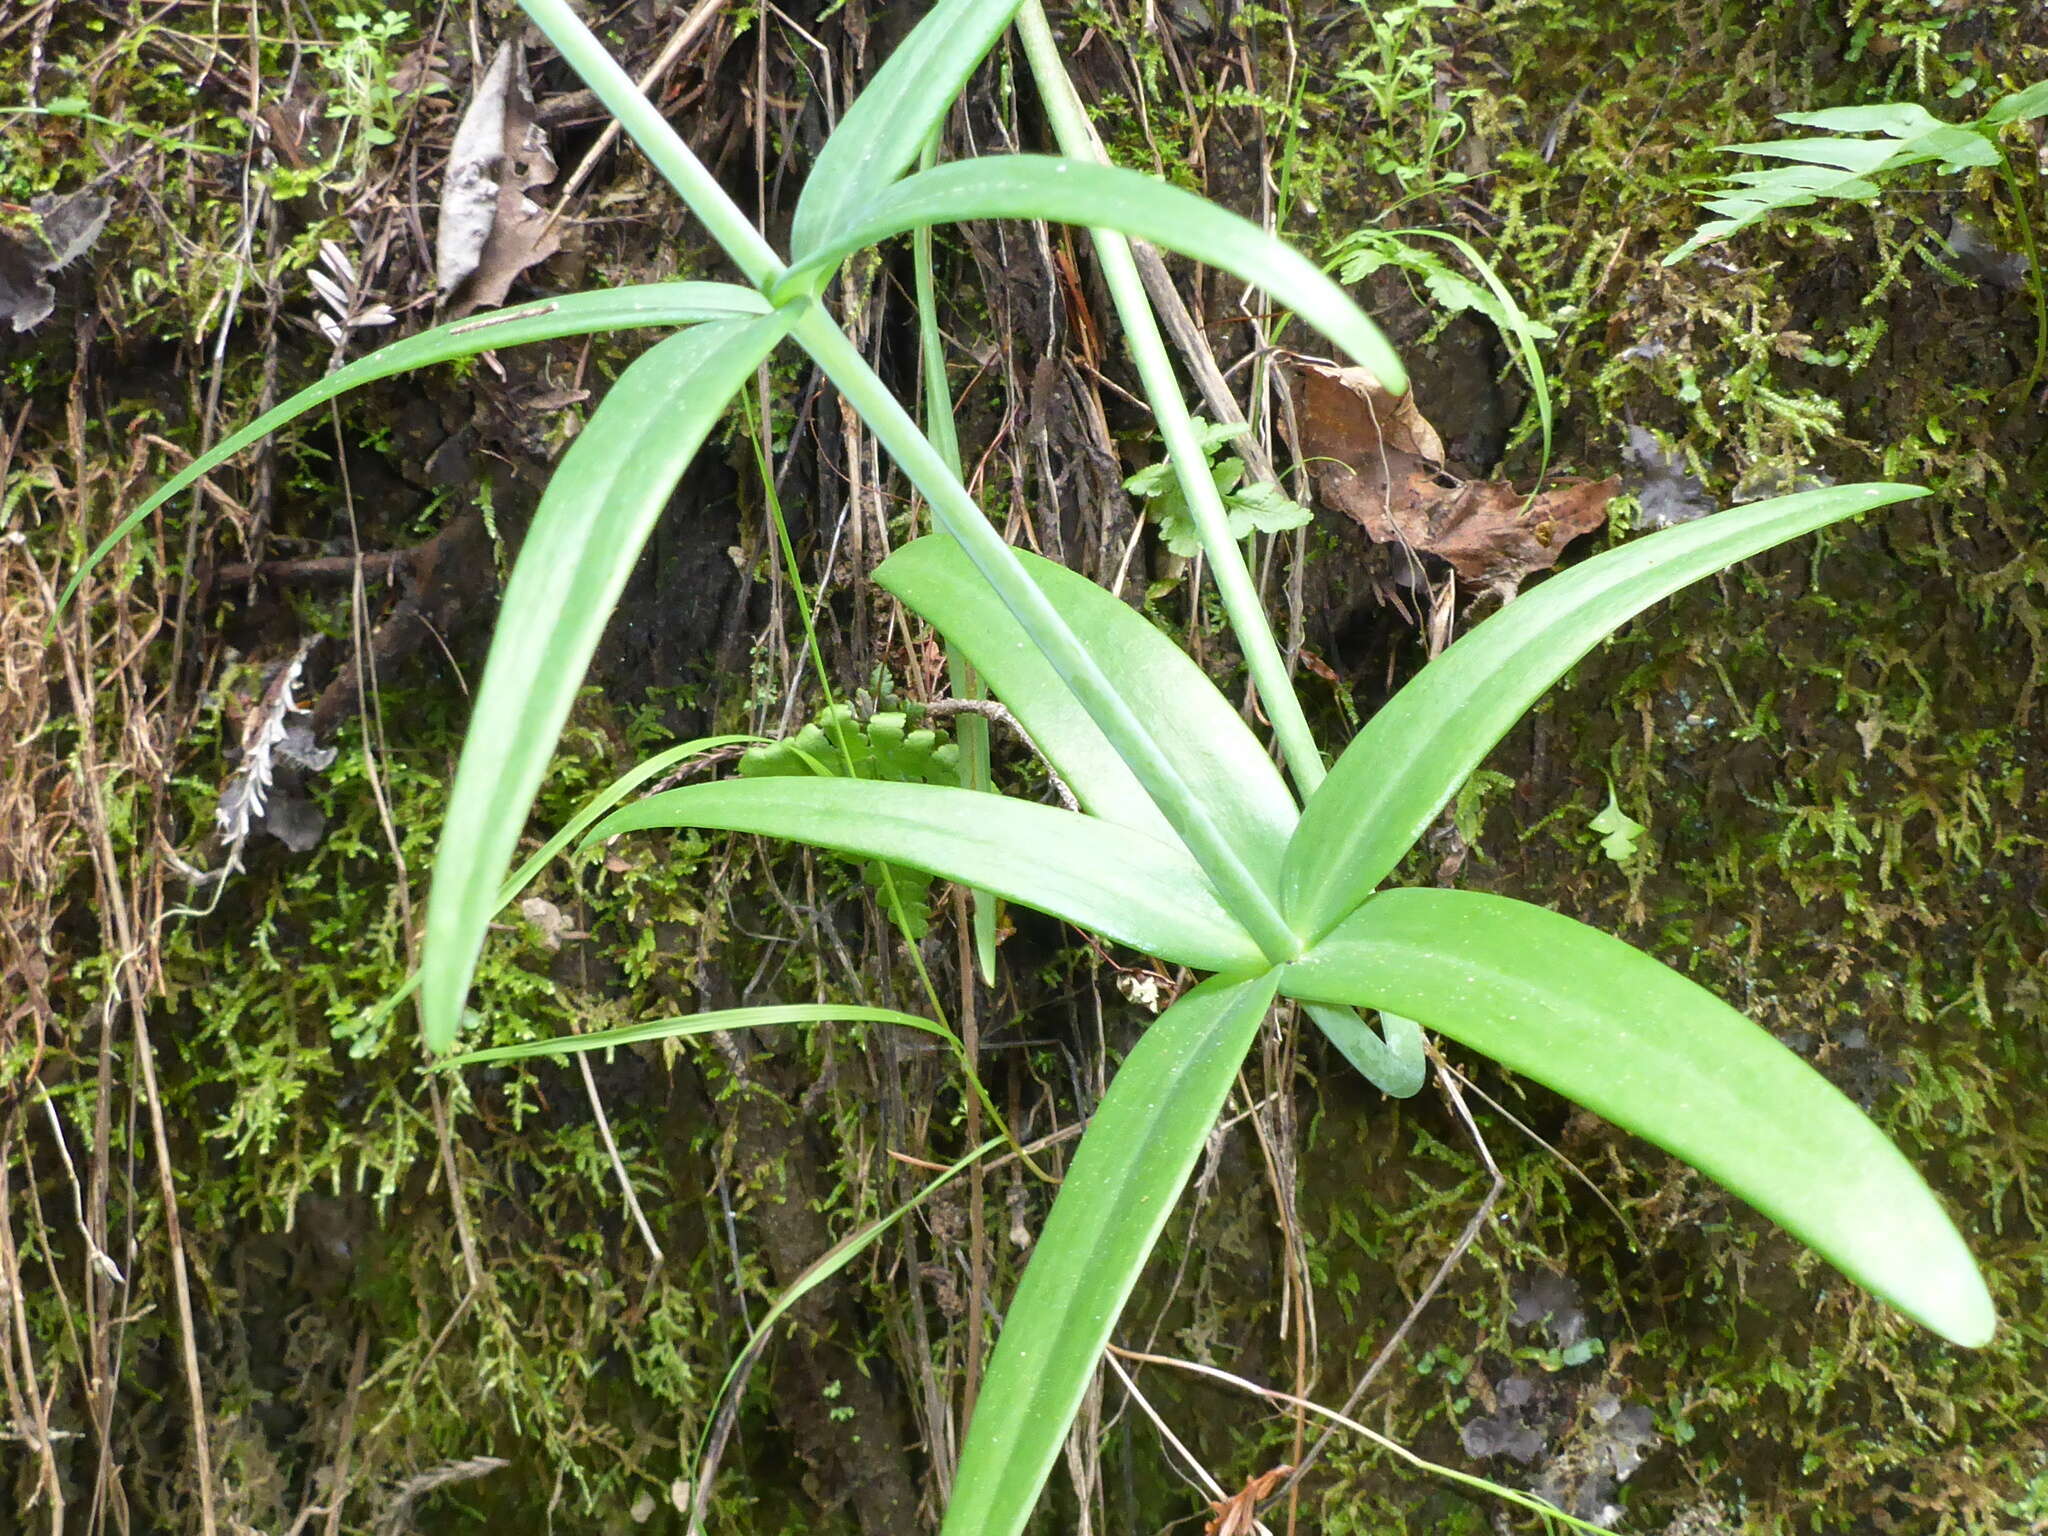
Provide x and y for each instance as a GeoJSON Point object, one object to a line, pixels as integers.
{"type": "Point", "coordinates": [67, 226]}
{"type": "Point", "coordinates": [1376, 458]}
{"type": "Point", "coordinates": [1238, 1515]}
{"type": "Point", "coordinates": [490, 230]}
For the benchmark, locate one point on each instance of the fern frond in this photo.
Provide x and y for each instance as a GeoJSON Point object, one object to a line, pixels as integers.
{"type": "Point", "coordinates": [1831, 165]}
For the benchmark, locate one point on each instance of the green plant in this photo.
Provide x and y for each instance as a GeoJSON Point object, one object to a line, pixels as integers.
{"type": "Point", "coordinates": [1833, 165]}
{"type": "Point", "coordinates": [1417, 124]}
{"type": "Point", "coordinates": [1366, 251]}
{"type": "Point", "coordinates": [884, 746]}
{"type": "Point", "coordinates": [364, 99]}
{"type": "Point", "coordinates": [1189, 844]}
{"type": "Point", "coordinates": [1249, 508]}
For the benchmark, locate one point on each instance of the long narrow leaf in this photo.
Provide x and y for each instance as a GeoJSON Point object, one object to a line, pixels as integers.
{"type": "Point", "coordinates": [888, 124]}
{"type": "Point", "coordinates": [574, 314]}
{"type": "Point", "coordinates": [1107, 197]}
{"type": "Point", "coordinates": [608, 797]}
{"type": "Point", "coordinates": [1243, 605]}
{"type": "Point", "coordinates": [815, 1274]}
{"type": "Point", "coordinates": [1898, 119]}
{"type": "Point", "coordinates": [1130, 1169]}
{"type": "Point", "coordinates": [599, 508]}
{"type": "Point", "coordinates": [1415, 753]}
{"type": "Point", "coordinates": [997, 562]}
{"type": "Point", "coordinates": [1828, 166]}
{"type": "Point", "coordinates": [1630, 1038]}
{"type": "Point", "coordinates": [1129, 887]}
{"type": "Point", "coordinates": [687, 1026]}
{"type": "Point", "coordinates": [2018, 107]}
{"type": "Point", "coordinates": [1220, 760]}
{"type": "Point", "coordinates": [1860, 157]}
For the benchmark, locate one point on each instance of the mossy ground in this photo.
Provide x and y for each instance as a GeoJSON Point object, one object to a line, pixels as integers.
{"type": "Point", "coordinates": [1835, 751]}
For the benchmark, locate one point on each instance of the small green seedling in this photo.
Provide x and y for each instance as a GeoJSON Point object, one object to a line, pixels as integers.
{"type": "Point", "coordinates": [1619, 831]}
{"type": "Point", "coordinates": [1258, 508]}
{"type": "Point", "coordinates": [1366, 251]}
{"type": "Point", "coordinates": [884, 746]}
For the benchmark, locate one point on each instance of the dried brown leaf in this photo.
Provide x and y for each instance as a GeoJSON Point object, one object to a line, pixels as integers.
{"type": "Point", "coordinates": [1238, 1515]}
{"type": "Point", "coordinates": [490, 230]}
{"type": "Point", "coordinates": [1348, 415]}
{"type": "Point", "coordinates": [1377, 459]}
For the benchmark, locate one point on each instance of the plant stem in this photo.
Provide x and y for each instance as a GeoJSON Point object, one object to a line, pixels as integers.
{"type": "Point", "coordinates": [952, 506]}
{"type": "Point", "coordinates": [971, 730]}
{"type": "Point", "coordinates": [721, 217]}
{"type": "Point", "coordinates": [956, 512]}
{"type": "Point", "coordinates": [2040, 279]}
{"type": "Point", "coordinates": [1247, 614]}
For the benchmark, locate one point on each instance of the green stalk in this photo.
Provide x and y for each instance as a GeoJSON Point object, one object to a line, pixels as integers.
{"type": "Point", "coordinates": [971, 730]}
{"type": "Point", "coordinates": [956, 512]}
{"type": "Point", "coordinates": [721, 217]}
{"type": "Point", "coordinates": [951, 504]}
{"type": "Point", "coordinates": [2040, 279]}
{"type": "Point", "coordinates": [1247, 614]}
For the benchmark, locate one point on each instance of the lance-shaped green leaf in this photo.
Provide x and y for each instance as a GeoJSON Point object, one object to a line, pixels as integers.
{"type": "Point", "coordinates": [886, 127]}
{"type": "Point", "coordinates": [1413, 755]}
{"type": "Point", "coordinates": [1131, 1167]}
{"type": "Point", "coordinates": [574, 314]}
{"type": "Point", "coordinates": [1219, 759]}
{"type": "Point", "coordinates": [1834, 167]}
{"type": "Point", "coordinates": [610, 796]}
{"type": "Point", "coordinates": [766, 1016]}
{"type": "Point", "coordinates": [1630, 1038]}
{"type": "Point", "coordinates": [954, 509]}
{"type": "Point", "coordinates": [2021, 105]}
{"type": "Point", "coordinates": [1122, 884]}
{"type": "Point", "coordinates": [1065, 191]}
{"type": "Point", "coordinates": [604, 500]}
{"type": "Point", "coordinates": [1217, 753]}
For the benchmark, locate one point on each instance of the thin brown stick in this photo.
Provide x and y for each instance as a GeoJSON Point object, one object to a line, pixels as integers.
{"type": "Point", "coordinates": [611, 1149]}
{"type": "Point", "coordinates": [181, 1286]}
{"type": "Point", "coordinates": [29, 1420]}
{"type": "Point", "coordinates": [989, 709]}
{"type": "Point", "coordinates": [1634, 1238]}
{"type": "Point", "coordinates": [1203, 1476]}
{"type": "Point", "coordinates": [1200, 359]}
{"type": "Point", "coordinates": [1343, 1420]}
{"type": "Point", "coordinates": [338, 1495]}
{"type": "Point", "coordinates": [977, 1228]}
{"type": "Point", "coordinates": [318, 568]}
{"type": "Point", "coordinates": [128, 952]}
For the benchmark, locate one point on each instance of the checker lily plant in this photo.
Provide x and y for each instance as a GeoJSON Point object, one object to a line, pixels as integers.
{"type": "Point", "coordinates": [1191, 845]}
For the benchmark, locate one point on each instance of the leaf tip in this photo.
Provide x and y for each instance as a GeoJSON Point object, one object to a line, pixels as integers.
{"type": "Point", "coordinates": [438, 1025]}
{"type": "Point", "coordinates": [1966, 1315]}
{"type": "Point", "coordinates": [444, 988]}
{"type": "Point", "coordinates": [1926, 1270]}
